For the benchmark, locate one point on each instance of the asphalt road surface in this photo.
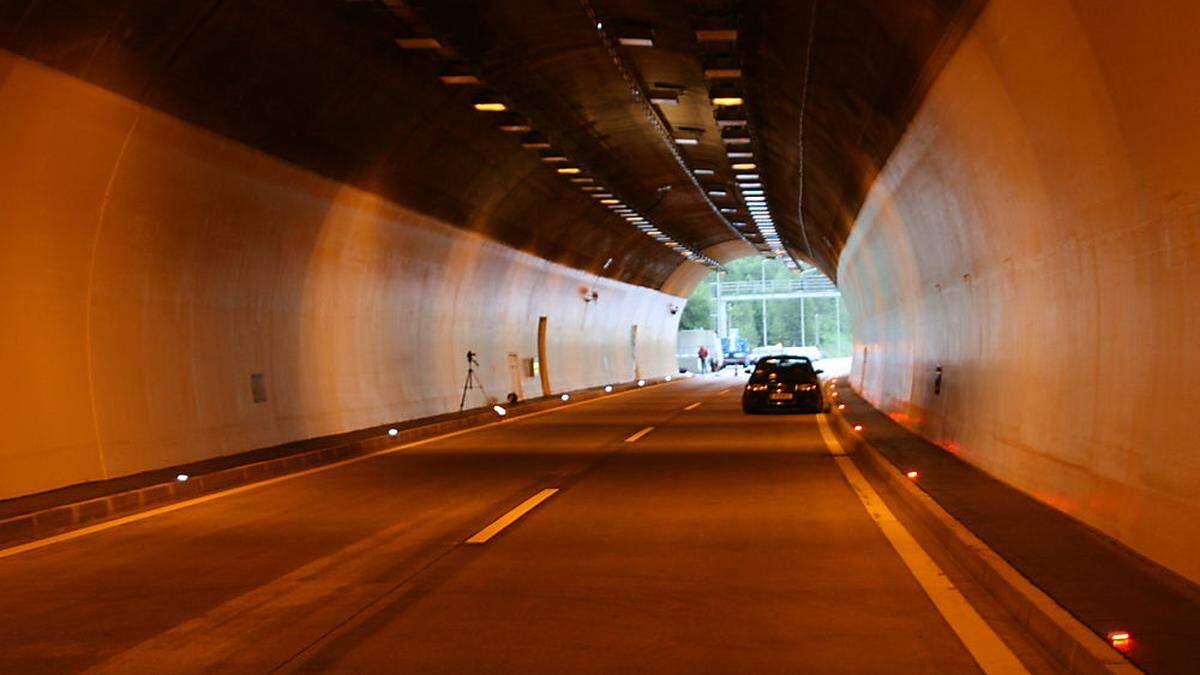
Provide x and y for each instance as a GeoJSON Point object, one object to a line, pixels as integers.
{"type": "Point", "coordinates": [575, 540]}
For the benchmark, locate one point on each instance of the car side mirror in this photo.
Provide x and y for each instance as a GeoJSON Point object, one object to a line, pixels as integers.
{"type": "Point", "coordinates": [818, 371]}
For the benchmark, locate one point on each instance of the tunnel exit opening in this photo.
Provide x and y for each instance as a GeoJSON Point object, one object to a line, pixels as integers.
{"type": "Point", "coordinates": [758, 305]}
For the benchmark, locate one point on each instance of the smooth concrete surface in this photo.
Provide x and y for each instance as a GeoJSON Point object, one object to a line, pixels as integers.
{"type": "Point", "coordinates": [716, 542]}
{"type": "Point", "coordinates": [149, 268]}
{"type": "Point", "coordinates": [1035, 234]}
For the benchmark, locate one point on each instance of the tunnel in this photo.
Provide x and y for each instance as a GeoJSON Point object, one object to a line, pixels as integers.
{"type": "Point", "coordinates": [252, 245]}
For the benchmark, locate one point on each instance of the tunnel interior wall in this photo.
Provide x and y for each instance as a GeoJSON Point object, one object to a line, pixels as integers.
{"type": "Point", "coordinates": [149, 269]}
{"type": "Point", "coordinates": [1036, 234]}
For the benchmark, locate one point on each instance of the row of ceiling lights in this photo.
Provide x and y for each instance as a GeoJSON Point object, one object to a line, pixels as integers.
{"type": "Point", "coordinates": [631, 35]}
{"type": "Point", "coordinates": [491, 102]}
{"type": "Point", "coordinates": [729, 110]}
{"type": "Point", "coordinates": [728, 105]}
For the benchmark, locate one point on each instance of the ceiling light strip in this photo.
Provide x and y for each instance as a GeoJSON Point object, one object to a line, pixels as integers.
{"type": "Point", "coordinates": [637, 90]}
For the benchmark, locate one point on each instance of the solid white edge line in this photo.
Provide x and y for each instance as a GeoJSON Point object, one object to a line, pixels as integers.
{"type": "Point", "coordinates": [143, 515]}
{"type": "Point", "coordinates": [511, 517]}
{"type": "Point", "coordinates": [988, 650]}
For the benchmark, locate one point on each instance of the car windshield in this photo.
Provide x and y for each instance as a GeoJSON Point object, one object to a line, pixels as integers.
{"type": "Point", "coordinates": [784, 369]}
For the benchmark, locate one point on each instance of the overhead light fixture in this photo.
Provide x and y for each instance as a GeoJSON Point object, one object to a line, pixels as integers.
{"type": "Point", "coordinates": [635, 36]}
{"type": "Point", "coordinates": [489, 103]}
{"type": "Point", "coordinates": [687, 141]}
{"type": "Point", "coordinates": [588, 188]}
{"type": "Point", "coordinates": [534, 142]}
{"type": "Point", "coordinates": [585, 179]}
{"type": "Point", "coordinates": [717, 35]}
{"type": "Point", "coordinates": [726, 101]}
{"type": "Point", "coordinates": [730, 117]}
{"type": "Point", "coordinates": [418, 43]}
{"type": "Point", "coordinates": [718, 193]}
{"type": "Point", "coordinates": [703, 172]}
{"type": "Point", "coordinates": [458, 78]}
{"type": "Point", "coordinates": [742, 177]}
{"type": "Point", "coordinates": [568, 169]}
{"type": "Point", "coordinates": [602, 195]}
{"type": "Point", "coordinates": [739, 155]}
{"type": "Point", "coordinates": [745, 166]}
{"type": "Point", "coordinates": [664, 97]}
{"type": "Point", "coordinates": [514, 124]}
{"type": "Point", "coordinates": [751, 186]}
{"type": "Point", "coordinates": [610, 201]}
{"type": "Point", "coordinates": [552, 157]}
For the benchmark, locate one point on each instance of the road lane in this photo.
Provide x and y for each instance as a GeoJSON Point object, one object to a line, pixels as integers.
{"type": "Point", "coordinates": [77, 604]}
{"type": "Point", "coordinates": [718, 542]}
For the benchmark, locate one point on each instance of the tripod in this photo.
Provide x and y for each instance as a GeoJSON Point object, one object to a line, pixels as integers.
{"type": "Point", "coordinates": [472, 381]}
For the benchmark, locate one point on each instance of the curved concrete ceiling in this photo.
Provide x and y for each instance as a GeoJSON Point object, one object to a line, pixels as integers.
{"type": "Point", "coordinates": [331, 87]}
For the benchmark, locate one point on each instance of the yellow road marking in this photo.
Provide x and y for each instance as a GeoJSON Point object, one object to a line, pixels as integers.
{"type": "Point", "coordinates": [639, 434]}
{"type": "Point", "coordinates": [694, 405]}
{"type": "Point", "coordinates": [143, 515]}
{"type": "Point", "coordinates": [511, 517]}
{"type": "Point", "coordinates": [988, 650]}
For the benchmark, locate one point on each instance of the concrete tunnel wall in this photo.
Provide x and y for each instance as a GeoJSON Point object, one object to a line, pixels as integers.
{"type": "Point", "coordinates": [148, 268]}
{"type": "Point", "coordinates": [1037, 234]}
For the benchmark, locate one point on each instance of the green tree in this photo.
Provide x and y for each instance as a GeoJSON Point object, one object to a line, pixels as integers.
{"type": "Point", "coordinates": [700, 311]}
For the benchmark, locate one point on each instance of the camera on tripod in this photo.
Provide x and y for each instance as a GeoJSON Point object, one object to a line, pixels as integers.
{"type": "Point", "coordinates": [472, 381]}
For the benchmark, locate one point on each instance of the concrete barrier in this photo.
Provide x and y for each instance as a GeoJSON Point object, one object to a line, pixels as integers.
{"type": "Point", "coordinates": [1075, 647]}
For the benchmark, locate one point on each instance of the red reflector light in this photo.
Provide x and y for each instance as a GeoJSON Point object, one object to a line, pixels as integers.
{"type": "Point", "coordinates": [858, 427]}
{"type": "Point", "coordinates": [841, 406]}
{"type": "Point", "coordinates": [1119, 639]}
{"type": "Point", "coordinates": [912, 475]}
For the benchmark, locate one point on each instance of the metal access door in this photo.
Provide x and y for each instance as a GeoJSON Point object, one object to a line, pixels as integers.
{"type": "Point", "coordinates": [515, 376]}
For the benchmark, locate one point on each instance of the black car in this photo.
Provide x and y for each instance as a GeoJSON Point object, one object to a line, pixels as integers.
{"type": "Point", "coordinates": [783, 383]}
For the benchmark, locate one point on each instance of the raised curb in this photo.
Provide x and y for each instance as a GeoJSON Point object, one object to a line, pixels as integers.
{"type": "Point", "coordinates": [1072, 644]}
{"type": "Point", "coordinates": [34, 525]}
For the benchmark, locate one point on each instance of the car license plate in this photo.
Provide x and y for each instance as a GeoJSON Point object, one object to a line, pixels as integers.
{"type": "Point", "coordinates": [781, 396]}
